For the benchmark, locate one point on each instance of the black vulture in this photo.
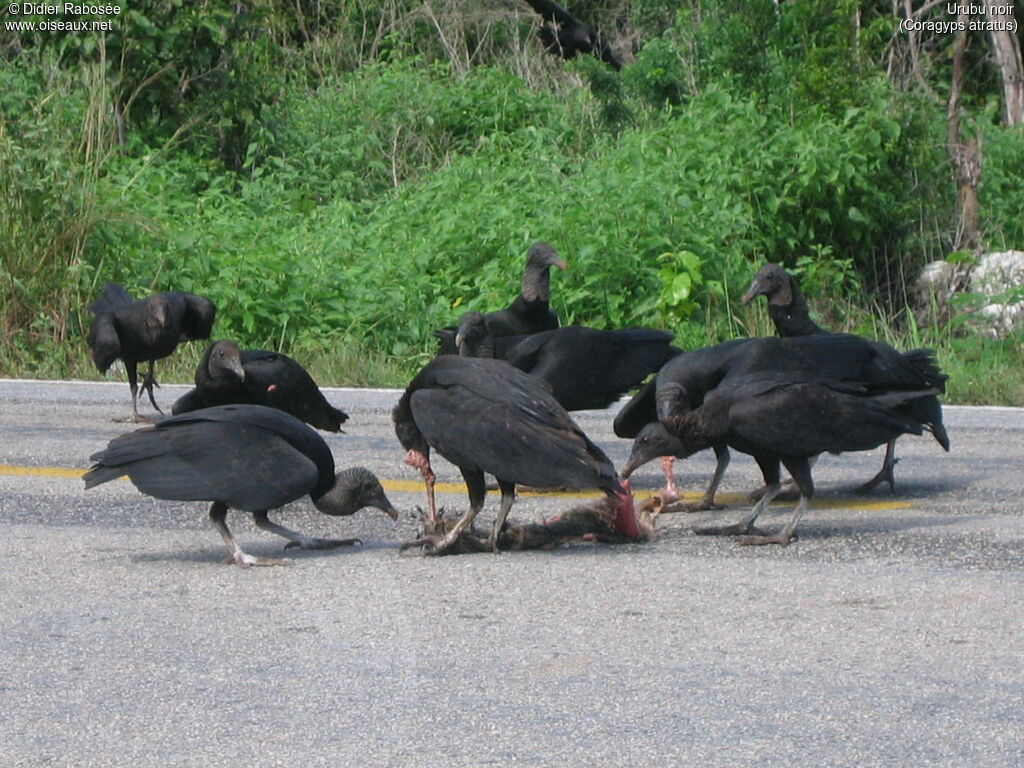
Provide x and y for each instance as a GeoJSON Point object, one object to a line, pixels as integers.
{"type": "Point", "coordinates": [640, 412]}
{"type": "Point", "coordinates": [529, 312]}
{"type": "Point", "coordinates": [777, 417]}
{"type": "Point", "coordinates": [786, 304]}
{"type": "Point", "coordinates": [697, 373]}
{"type": "Point", "coordinates": [585, 367]}
{"type": "Point", "coordinates": [486, 416]}
{"type": "Point", "coordinates": [569, 36]}
{"type": "Point", "coordinates": [685, 381]}
{"type": "Point", "coordinates": [788, 311]}
{"type": "Point", "coordinates": [144, 331]}
{"type": "Point", "coordinates": [244, 457]}
{"type": "Point", "coordinates": [655, 441]}
{"type": "Point", "coordinates": [227, 374]}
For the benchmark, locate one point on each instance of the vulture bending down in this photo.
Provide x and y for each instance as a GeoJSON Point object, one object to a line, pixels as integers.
{"type": "Point", "coordinates": [227, 374]}
{"type": "Point", "coordinates": [586, 367]}
{"type": "Point", "coordinates": [685, 381]}
{"type": "Point", "coordinates": [244, 457]}
{"type": "Point", "coordinates": [777, 419]}
{"type": "Point", "coordinates": [486, 416]}
{"type": "Point", "coordinates": [144, 331]}
{"type": "Point", "coordinates": [529, 313]}
{"type": "Point", "coordinates": [696, 373]}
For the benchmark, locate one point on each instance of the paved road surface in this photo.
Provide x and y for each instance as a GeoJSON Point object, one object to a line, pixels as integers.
{"type": "Point", "coordinates": [889, 635]}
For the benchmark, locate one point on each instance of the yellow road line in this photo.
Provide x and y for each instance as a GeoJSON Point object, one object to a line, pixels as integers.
{"type": "Point", "coordinates": [414, 486]}
{"type": "Point", "coordinates": [12, 469]}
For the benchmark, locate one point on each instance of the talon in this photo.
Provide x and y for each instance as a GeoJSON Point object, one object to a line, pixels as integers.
{"type": "Point", "coordinates": [729, 530]}
{"type": "Point", "coordinates": [313, 543]}
{"type": "Point", "coordinates": [244, 560]}
{"type": "Point", "coordinates": [760, 539]}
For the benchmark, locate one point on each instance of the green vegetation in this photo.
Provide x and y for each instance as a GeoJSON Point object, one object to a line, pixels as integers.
{"type": "Point", "coordinates": [342, 180]}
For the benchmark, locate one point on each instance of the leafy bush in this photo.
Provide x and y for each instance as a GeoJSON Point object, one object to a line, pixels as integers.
{"type": "Point", "coordinates": [363, 134]}
{"type": "Point", "coordinates": [1002, 188]}
{"type": "Point", "coordinates": [354, 176]}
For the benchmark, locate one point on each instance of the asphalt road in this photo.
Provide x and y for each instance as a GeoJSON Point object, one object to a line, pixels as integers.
{"type": "Point", "coordinates": [889, 635]}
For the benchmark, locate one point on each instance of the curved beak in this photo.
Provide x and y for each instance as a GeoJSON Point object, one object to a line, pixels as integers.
{"type": "Point", "coordinates": [756, 289]}
{"type": "Point", "coordinates": [560, 263]}
{"type": "Point", "coordinates": [384, 504]}
{"type": "Point", "coordinates": [631, 466]}
{"type": "Point", "coordinates": [235, 366]}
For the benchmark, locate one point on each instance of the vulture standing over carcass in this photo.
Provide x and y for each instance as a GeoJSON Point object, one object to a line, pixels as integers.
{"type": "Point", "coordinates": [779, 418]}
{"type": "Point", "coordinates": [486, 416]}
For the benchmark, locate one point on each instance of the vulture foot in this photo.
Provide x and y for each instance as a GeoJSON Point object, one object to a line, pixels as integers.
{"type": "Point", "coordinates": [433, 544]}
{"type": "Point", "coordinates": [781, 538]}
{"type": "Point", "coordinates": [736, 529]}
{"type": "Point", "coordinates": [135, 418]}
{"type": "Point", "coordinates": [885, 475]}
{"type": "Point", "coordinates": [312, 542]}
{"type": "Point", "coordinates": [244, 560]}
{"type": "Point", "coordinates": [148, 382]}
{"type": "Point", "coordinates": [696, 506]}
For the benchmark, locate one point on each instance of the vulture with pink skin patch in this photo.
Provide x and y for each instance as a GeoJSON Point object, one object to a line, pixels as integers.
{"type": "Point", "coordinates": [484, 415]}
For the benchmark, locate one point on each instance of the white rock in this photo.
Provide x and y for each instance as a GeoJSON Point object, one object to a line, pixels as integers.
{"type": "Point", "coordinates": [995, 276]}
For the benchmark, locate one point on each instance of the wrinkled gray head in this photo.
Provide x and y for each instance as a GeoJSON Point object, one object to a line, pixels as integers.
{"type": "Point", "coordinates": [772, 281]}
{"type": "Point", "coordinates": [225, 360]}
{"type": "Point", "coordinates": [471, 337]}
{"type": "Point", "coordinates": [353, 489]}
{"type": "Point", "coordinates": [543, 255]}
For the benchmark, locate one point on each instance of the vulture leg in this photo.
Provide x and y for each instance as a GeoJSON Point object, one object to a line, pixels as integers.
{"type": "Point", "coordinates": [508, 497]}
{"type": "Point", "coordinates": [790, 490]}
{"type": "Point", "coordinates": [133, 383]}
{"type": "Point", "coordinates": [148, 382]}
{"type": "Point", "coordinates": [218, 515]}
{"type": "Point", "coordinates": [770, 470]}
{"type": "Point", "coordinates": [421, 462]}
{"type": "Point", "coordinates": [298, 539]}
{"type": "Point", "coordinates": [436, 544]}
{"type": "Point", "coordinates": [671, 491]}
{"type": "Point", "coordinates": [885, 474]}
{"type": "Point", "coordinates": [708, 502]}
{"type": "Point", "coordinates": [800, 469]}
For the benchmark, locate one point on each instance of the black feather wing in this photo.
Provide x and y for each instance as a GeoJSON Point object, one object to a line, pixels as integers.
{"type": "Point", "coordinates": [112, 297]}
{"type": "Point", "coordinates": [242, 465]}
{"type": "Point", "coordinates": [486, 415]}
{"type": "Point", "coordinates": [197, 322]}
{"type": "Point", "coordinates": [803, 419]}
{"type": "Point", "coordinates": [591, 368]}
{"type": "Point", "coordinates": [277, 381]}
